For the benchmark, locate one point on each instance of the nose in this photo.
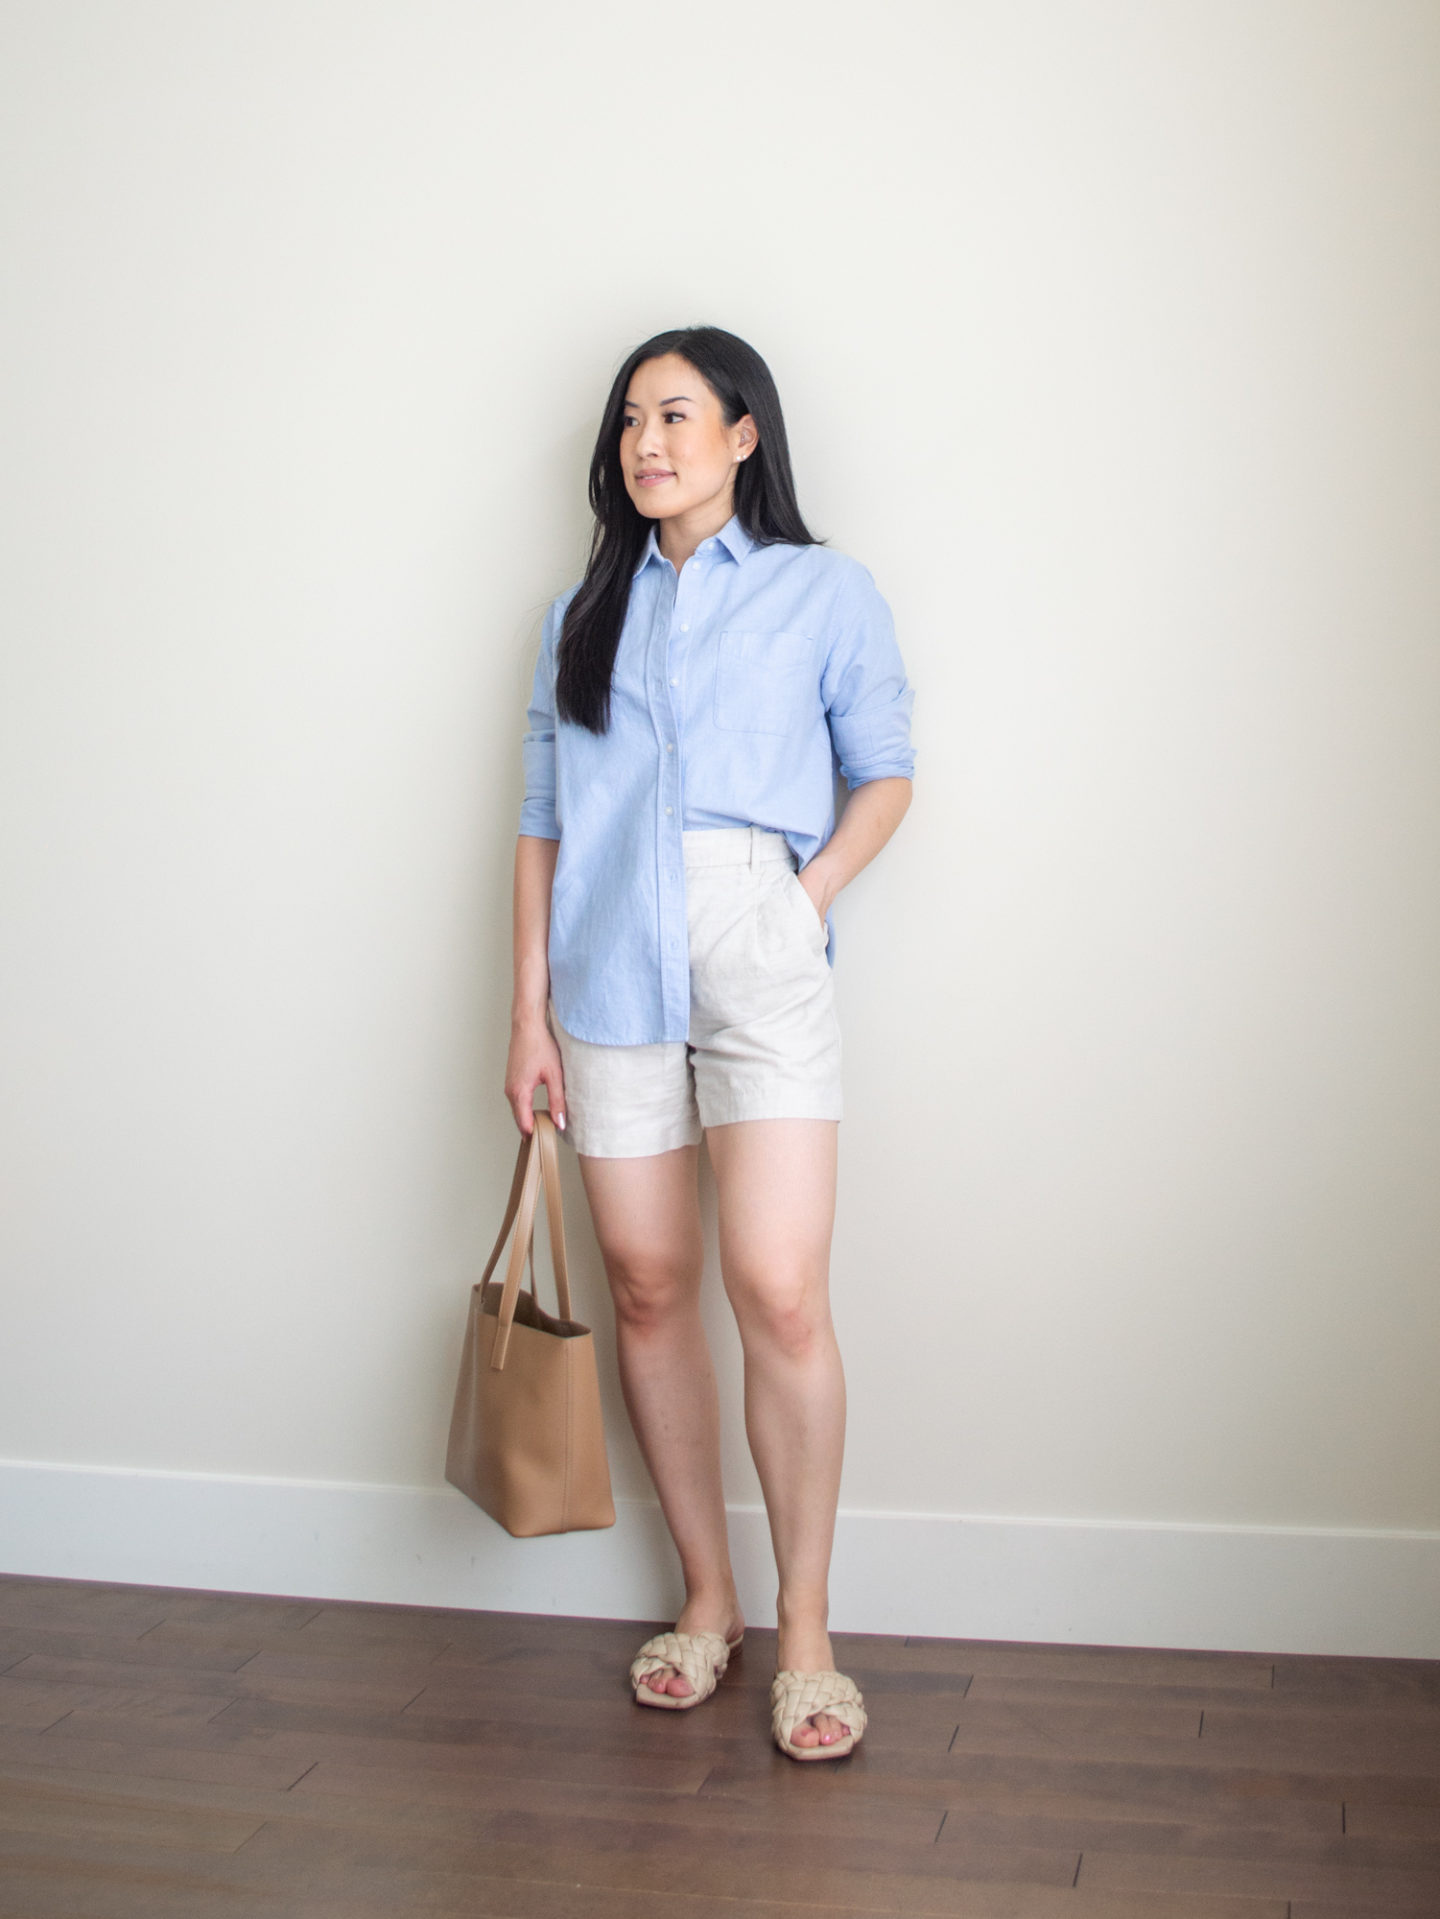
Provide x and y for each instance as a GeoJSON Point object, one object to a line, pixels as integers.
{"type": "Point", "coordinates": [647, 440]}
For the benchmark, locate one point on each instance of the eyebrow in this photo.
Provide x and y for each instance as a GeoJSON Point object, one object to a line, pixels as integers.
{"type": "Point", "coordinates": [670, 402]}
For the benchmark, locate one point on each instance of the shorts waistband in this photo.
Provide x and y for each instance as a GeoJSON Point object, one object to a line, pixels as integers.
{"type": "Point", "coordinates": [736, 846]}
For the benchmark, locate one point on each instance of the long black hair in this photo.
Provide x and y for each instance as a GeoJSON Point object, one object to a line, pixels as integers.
{"type": "Point", "coordinates": [765, 506]}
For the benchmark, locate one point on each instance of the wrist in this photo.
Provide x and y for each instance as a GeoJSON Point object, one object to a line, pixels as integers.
{"type": "Point", "coordinates": [527, 1018]}
{"type": "Point", "coordinates": [825, 880]}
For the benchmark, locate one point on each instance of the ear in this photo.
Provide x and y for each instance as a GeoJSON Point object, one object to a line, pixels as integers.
{"type": "Point", "coordinates": [744, 438]}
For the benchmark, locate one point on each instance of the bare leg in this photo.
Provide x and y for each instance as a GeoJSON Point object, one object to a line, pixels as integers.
{"type": "Point", "coordinates": [776, 1184]}
{"type": "Point", "coordinates": [647, 1219]}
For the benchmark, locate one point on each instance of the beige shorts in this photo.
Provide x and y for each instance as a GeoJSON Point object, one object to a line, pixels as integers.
{"type": "Point", "coordinates": [764, 1041]}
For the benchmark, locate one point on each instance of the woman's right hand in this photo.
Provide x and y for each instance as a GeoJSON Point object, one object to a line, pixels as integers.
{"type": "Point", "coordinates": [534, 1061]}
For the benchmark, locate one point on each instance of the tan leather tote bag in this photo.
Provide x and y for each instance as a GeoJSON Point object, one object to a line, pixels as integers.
{"type": "Point", "coordinates": [527, 1442]}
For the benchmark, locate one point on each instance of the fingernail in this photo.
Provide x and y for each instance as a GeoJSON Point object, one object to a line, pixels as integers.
{"type": "Point", "coordinates": [560, 1121]}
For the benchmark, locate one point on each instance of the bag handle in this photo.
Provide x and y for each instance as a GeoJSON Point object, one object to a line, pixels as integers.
{"type": "Point", "coordinates": [537, 1163]}
{"type": "Point", "coordinates": [554, 1212]}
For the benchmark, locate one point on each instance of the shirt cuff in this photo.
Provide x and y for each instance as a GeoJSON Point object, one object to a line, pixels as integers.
{"type": "Point", "coordinates": [538, 821]}
{"type": "Point", "coordinates": [897, 769]}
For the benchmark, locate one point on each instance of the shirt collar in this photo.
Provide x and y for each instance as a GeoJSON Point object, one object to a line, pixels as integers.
{"type": "Point", "coordinates": [735, 540]}
{"type": "Point", "coordinates": [732, 539]}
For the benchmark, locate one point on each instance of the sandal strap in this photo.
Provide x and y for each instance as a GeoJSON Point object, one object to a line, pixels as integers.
{"type": "Point", "coordinates": [701, 1656]}
{"type": "Point", "coordinates": [798, 1696]}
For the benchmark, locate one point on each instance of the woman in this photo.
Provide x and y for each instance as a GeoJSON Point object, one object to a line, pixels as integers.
{"type": "Point", "coordinates": [692, 698]}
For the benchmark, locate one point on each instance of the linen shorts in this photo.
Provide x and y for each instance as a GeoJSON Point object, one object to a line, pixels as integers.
{"type": "Point", "coordinates": [764, 1040]}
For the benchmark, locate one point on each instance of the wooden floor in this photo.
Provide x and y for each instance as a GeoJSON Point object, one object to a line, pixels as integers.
{"type": "Point", "coordinates": [181, 1755]}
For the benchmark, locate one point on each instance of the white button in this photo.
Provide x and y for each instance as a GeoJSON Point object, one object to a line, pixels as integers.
{"type": "Point", "coordinates": [669, 810]}
{"type": "Point", "coordinates": [684, 626]}
{"type": "Point", "coordinates": [674, 682]}
{"type": "Point", "coordinates": [669, 746]}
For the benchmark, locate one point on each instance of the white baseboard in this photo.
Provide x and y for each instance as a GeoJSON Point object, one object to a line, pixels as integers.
{"type": "Point", "coordinates": [1215, 1587]}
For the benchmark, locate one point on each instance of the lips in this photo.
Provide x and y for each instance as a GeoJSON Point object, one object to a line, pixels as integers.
{"type": "Point", "coordinates": [653, 478]}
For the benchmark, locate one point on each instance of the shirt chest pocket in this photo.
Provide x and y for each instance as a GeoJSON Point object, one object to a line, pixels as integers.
{"type": "Point", "coordinates": [765, 682]}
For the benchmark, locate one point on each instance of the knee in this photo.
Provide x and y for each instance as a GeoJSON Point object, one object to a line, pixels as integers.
{"type": "Point", "coordinates": [787, 1313]}
{"type": "Point", "coordinates": [648, 1290]}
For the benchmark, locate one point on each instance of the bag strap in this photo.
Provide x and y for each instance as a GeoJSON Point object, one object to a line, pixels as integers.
{"type": "Point", "coordinates": [537, 1156]}
{"type": "Point", "coordinates": [554, 1211]}
{"type": "Point", "coordinates": [512, 1206]}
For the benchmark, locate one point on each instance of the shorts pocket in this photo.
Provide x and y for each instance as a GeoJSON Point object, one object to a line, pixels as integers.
{"type": "Point", "coordinates": [766, 682]}
{"type": "Point", "coordinates": [818, 930]}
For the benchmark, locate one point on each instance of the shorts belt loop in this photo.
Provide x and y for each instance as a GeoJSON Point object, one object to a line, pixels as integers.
{"type": "Point", "coordinates": [754, 847]}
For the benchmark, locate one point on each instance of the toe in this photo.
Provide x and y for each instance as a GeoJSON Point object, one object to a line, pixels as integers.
{"type": "Point", "coordinates": [668, 1683]}
{"type": "Point", "coordinates": [805, 1734]}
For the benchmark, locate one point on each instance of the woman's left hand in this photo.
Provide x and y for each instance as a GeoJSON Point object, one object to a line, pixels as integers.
{"type": "Point", "coordinates": [871, 814]}
{"type": "Point", "coordinates": [819, 888]}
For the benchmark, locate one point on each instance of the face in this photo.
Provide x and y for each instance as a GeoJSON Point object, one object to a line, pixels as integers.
{"type": "Point", "coordinates": [676, 452]}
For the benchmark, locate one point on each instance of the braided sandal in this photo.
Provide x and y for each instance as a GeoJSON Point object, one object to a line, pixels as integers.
{"type": "Point", "coordinates": [798, 1696]}
{"type": "Point", "coordinates": [701, 1656]}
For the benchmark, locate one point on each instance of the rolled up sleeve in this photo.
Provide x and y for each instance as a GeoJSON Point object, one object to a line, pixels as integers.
{"type": "Point", "coordinates": [868, 700]}
{"type": "Point", "coordinates": [538, 818]}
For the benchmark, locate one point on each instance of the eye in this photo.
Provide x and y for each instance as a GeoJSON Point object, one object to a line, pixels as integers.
{"type": "Point", "coordinates": [668, 417]}
{"type": "Point", "coordinates": [628, 420]}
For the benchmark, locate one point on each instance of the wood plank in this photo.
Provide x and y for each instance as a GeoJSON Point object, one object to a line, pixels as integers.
{"type": "Point", "coordinates": [86, 1674]}
{"type": "Point", "coordinates": [262, 1763]}
{"type": "Point", "coordinates": [1287, 1878]}
{"type": "Point", "coordinates": [1089, 1832]}
{"type": "Point", "coordinates": [1345, 1682]}
{"type": "Point", "coordinates": [483, 1635]}
{"type": "Point", "coordinates": [1354, 1909]}
{"type": "Point", "coordinates": [988, 1689]}
{"type": "Point", "coordinates": [1366, 1820]}
{"type": "Point", "coordinates": [204, 1654]}
{"type": "Point", "coordinates": [394, 1625]}
{"type": "Point", "coordinates": [58, 1810]}
{"type": "Point", "coordinates": [62, 1605]}
{"type": "Point", "coordinates": [30, 1705]}
{"type": "Point", "coordinates": [1049, 1726]}
{"type": "Point", "coordinates": [385, 1684]}
{"type": "Point", "coordinates": [1318, 1736]}
{"type": "Point", "coordinates": [1121, 1665]}
{"type": "Point", "coordinates": [237, 1614]}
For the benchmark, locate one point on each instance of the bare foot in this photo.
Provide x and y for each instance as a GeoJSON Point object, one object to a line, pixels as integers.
{"type": "Point", "coordinates": [698, 1615]}
{"type": "Point", "coordinates": [807, 1649]}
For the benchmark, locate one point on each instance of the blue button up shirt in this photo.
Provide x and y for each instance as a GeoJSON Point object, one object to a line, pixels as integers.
{"type": "Point", "coordinates": [739, 686]}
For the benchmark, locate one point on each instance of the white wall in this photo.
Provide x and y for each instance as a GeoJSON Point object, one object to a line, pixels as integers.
{"type": "Point", "coordinates": [1107, 334]}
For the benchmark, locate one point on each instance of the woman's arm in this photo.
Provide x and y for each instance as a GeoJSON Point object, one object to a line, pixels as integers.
{"type": "Point", "coordinates": [534, 1057]}
{"type": "Point", "coordinates": [872, 812]}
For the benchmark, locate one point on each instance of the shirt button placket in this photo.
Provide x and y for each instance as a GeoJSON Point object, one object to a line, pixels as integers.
{"type": "Point", "coordinates": [674, 956]}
